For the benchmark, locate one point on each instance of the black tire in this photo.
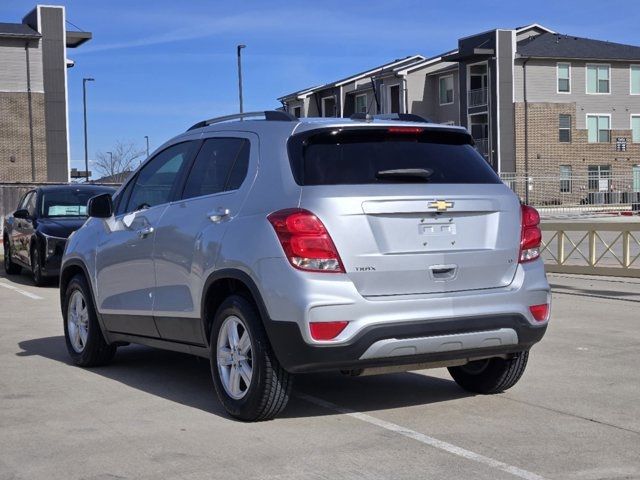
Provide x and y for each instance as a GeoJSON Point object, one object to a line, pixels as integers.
{"type": "Point", "coordinates": [95, 351]}
{"type": "Point", "coordinates": [9, 267]}
{"type": "Point", "coordinates": [268, 391]}
{"type": "Point", "coordinates": [490, 376]}
{"type": "Point", "coordinates": [36, 267]}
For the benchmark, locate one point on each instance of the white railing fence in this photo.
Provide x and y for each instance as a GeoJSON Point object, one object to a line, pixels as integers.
{"type": "Point", "coordinates": [592, 248]}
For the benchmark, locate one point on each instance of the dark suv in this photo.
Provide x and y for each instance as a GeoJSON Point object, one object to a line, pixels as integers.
{"type": "Point", "coordinates": [35, 234]}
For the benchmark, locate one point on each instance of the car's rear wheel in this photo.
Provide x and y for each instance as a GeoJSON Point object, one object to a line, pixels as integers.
{"type": "Point", "coordinates": [85, 343]}
{"type": "Point", "coordinates": [248, 379]}
{"type": "Point", "coordinates": [492, 375]}
{"type": "Point", "coordinates": [9, 267]}
{"type": "Point", "coordinates": [36, 267]}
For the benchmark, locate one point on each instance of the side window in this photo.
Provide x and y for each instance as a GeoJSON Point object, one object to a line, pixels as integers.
{"type": "Point", "coordinates": [23, 201]}
{"type": "Point", "coordinates": [31, 204]}
{"type": "Point", "coordinates": [220, 166]}
{"type": "Point", "coordinates": [121, 203]}
{"type": "Point", "coordinates": [154, 183]}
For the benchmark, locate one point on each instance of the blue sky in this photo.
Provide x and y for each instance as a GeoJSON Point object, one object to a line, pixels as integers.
{"type": "Point", "coordinates": [162, 65]}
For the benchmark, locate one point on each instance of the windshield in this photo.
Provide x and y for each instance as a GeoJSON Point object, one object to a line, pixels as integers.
{"type": "Point", "coordinates": [387, 155]}
{"type": "Point", "coordinates": [67, 203]}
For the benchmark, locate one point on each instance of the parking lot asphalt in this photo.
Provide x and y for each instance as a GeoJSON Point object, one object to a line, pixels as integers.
{"type": "Point", "coordinates": [153, 414]}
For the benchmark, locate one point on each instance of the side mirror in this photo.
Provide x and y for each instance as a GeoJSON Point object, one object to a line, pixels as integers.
{"type": "Point", "coordinates": [23, 213]}
{"type": "Point", "coordinates": [100, 206]}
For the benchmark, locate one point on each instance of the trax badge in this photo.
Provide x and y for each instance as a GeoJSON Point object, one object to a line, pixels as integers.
{"type": "Point", "coordinates": [441, 205]}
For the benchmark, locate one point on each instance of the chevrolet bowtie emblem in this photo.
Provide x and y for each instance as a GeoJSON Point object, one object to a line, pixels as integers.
{"type": "Point", "coordinates": [441, 205]}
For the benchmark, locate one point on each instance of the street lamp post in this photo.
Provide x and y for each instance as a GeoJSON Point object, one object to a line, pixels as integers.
{"type": "Point", "coordinates": [84, 106]}
{"type": "Point", "coordinates": [239, 48]}
{"type": "Point", "coordinates": [146, 137]}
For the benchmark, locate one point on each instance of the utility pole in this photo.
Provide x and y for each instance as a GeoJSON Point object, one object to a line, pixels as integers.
{"type": "Point", "coordinates": [239, 48]}
{"type": "Point", "coordinates": [84, 106]}
{"type": "Point", "coordinates": [146, 137]}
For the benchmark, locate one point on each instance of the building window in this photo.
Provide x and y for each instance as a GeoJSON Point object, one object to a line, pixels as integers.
{"type": "Point", "coordinates": [635, 79]}
{"type": "Point", "coordinates": [565, 178]}
{"type": "Point", "coordinates": [599, 128]}
{"type": "Point", "coordinates": [446, 90]}
{"type": "Point", "coordinates": [329, 107]}
{"type": "Point", "coordinates": [599, 176]}
{"type": "Point", "coordinates": [635, 128]}
{"type": "Point", "coordinates": [564, 78]}
{"type": "Point", "coordinates": [598, 79]}
{"type": "Point", "coordinates": [361, 103]}
{"type": "Point", "coordinates": [394, 99]}
{"type": "Point", "coordinates": [564, 128]}
{"type": "Point", "coordinates": [297, 112]}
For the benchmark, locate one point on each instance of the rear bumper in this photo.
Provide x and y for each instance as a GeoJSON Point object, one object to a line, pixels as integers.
{"type": "Point", "coordinates": [363, 350]}
{"type": "Point", "coordinates": [302, 298]}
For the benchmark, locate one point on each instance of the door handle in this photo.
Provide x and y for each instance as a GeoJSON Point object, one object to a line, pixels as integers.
{"type": "Point", "coordinates": [145, 232]}
{"type": "Point", "coordinates": [218, 215]}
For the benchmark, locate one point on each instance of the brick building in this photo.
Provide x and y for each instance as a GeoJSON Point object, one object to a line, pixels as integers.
{"type": "Point", "coordinates": [539, 104]}
{"type": "Point", "coordinates": [34, 139]}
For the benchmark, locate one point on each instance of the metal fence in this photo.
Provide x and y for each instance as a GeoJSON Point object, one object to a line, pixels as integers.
{"type": "Point", "coordinates": [577, 194]}
{"type": "Point", "coordinates": [592, 248]}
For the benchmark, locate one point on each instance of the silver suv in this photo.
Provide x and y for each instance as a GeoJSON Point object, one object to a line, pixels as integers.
{"type": "Point", "coordinates": [277, 245]}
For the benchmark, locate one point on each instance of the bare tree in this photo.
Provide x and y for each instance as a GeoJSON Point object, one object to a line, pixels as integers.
{"type": "Point", "coordinates": [124, 157]}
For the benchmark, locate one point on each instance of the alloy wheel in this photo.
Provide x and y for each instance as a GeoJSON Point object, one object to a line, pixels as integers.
{"type": "Point", "coordinates": [78, 321]}
{"type": "Point", "coordinates": [234, 355]}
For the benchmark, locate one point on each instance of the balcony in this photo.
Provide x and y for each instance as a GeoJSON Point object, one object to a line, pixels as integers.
{"type": "Point", "coordinates": [477, 97]}
{"type": "Point", "coordinates": [482, 145]}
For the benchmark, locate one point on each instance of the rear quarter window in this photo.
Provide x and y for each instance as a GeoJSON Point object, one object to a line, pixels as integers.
{"type": "Point", "coordinates": [352, 156]}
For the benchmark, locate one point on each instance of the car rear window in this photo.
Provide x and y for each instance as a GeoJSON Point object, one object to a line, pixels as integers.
{"type": "Point", "coordinates": [358, 156]}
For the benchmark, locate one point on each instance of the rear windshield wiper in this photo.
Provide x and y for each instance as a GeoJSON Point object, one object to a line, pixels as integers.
{"type": "Point", "coordinates": [406, 174]}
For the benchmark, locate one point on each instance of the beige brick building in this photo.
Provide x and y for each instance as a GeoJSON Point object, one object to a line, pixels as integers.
{"type": "Point", "coordinates": [579, 141]}
{"type": "Point", "coordinates": [34, 143]}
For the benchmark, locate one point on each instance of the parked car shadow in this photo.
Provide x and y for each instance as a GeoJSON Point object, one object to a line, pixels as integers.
{"type": "Point", "coordinates": [26, 279]}
{"type": "Point", "coordinates": [186, 379]}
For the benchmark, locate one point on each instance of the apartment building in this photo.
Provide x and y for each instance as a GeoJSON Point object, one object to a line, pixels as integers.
{"type": "Point", "coordinates": [34, 138]}
{"type": "Point", "coordinates": [538, 103]}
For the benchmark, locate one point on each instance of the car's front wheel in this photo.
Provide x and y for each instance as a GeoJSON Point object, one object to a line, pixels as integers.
{"type": "Point", "coordinates": [492, 375]}
{"type": "Point", "coordinates": [9, 267]}
{"type": "Point", "coordinates": [249, 381]}
{"type": "Point", "coordinates": [36, 267]}
{"type": "Point", "coordinates": [85, 343]}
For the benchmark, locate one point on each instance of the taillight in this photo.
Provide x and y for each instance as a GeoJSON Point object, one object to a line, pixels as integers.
{"type": "Point", "coordinates": [326, 330]}
{"type": "Point", "coordinates": [530, 234]}
{"type": "Point", "coordinates": [407, 130]}
{"type": "Point", "coordinates": [305, 241]}
{"type": "Point", "coordinates": [540, 312]}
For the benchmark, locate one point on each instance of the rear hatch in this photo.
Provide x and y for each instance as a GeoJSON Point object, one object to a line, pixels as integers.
{"type": "Point", "coordinates": [411, 210]}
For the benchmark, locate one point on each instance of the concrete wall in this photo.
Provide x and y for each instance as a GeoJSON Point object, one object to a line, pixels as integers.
{"type": "Point", "coordinates": [53, 33]}
{"type": "Point", "coordinates": [504, 100]}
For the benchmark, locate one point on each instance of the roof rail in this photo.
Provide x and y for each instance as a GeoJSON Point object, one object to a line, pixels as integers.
{"type": "Point", "coordinates": [402, 117]}
{"type": "Point", "coordinates": [270, 115]}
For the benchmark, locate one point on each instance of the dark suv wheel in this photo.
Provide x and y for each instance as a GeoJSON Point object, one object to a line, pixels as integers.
{"type": "Point", "coordinates": [84, 339]}
{"type": "Point", "coordinates": [248, 379]}
{"type": "Point", "coordinates": [9, 267]}
{"type": "Point", "coordinates": [36, 267]}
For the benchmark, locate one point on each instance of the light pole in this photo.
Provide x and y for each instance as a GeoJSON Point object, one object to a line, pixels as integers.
{"type": "Point", "coordinates": [84, 106]}
{"type": "Point", "coordinates": [146, 137]}
{"type": "Point", "coordinates": [240, 47]}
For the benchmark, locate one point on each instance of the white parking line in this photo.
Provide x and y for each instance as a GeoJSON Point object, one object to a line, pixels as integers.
{"type": "Point", "coordinates": [21, 291]}
{"type": "Point", "coordinates": [427, 440]}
